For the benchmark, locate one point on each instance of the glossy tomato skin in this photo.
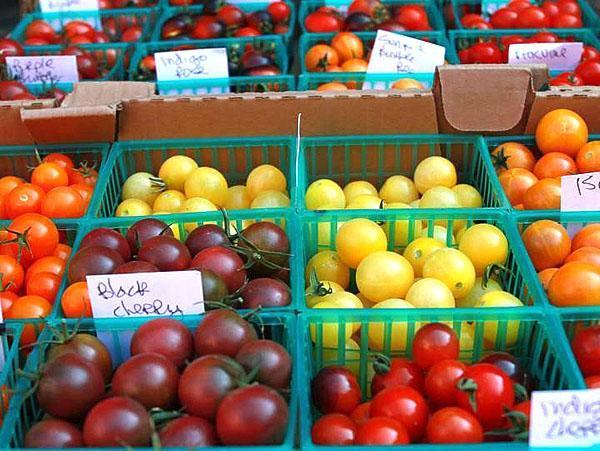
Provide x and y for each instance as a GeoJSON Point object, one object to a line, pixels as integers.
{"type": "Point", "coordinates": [507, 363]}
{"type": "Point", "coordinates": [433, 343]}
{"type": "Point", "coordinates": [335, 390]}
{"type": "Point", "coordinates": [93, 260]}
{"type": "Point", "coordinates": [252, 415]}
{"type": "Point", "coordinates": [454, 425]}
{"type": "Point", "coordinates": [136, 266]}
{"type": "Point", "coordinates": [222, 332]}
{"type": "Point", "coordinates": [143, 230]}
{"type": "Point", "coordinates": [440, 382]}
{"type": "Point", "coordinates": [361, 413]}
{"type": "Point", "coordinates": [334, 429]}
{"type": "Point", "coordinates": [548, 244]}
{"type": "Point", "coordinates": [586, 347]}
{"type": "Point", "coordinates": [319, 22]}
{"type": "Point", "coordinates": [265, 292]}
{"type": "Point", "coordinates": [53, 433]}
{"type": "Point", "coordinates": [382, 431]}
{"type": "Point", "coordinates": [115, 421]}
{"type": "Point", "coordinates": [267, 237]}
{"type": "Point", "coordinates": [207, 235]}
{"type": "Point", "coordinates": [9, 47]}
{"type": "Point", "coordinates": [166, 253]}
{"type": "Point", "coordinates": [164, 336]}
{"type": "Point", "coordinates": [42, 234]}
{"type": "Point", "coordinates": [225, 263]}
{"type": "Point", "coordinates": [398, 371]}
{"type": "Point", "coordinates": [108, 238]}
{"type": "Point", "coordinates": [485, 53]}
{"type": "Point", "coordinates": [589, 71]}
{"type": "Point", "coordinates": [188, 432]}
{"type": "Point", "coordinates": [89, 348]}
{"type": "Point", "coordinates": [272, 360]}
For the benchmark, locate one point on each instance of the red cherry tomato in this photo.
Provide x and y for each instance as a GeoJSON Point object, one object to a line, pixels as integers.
{"type": "Point", "coordinates": [440, 382]}
{"type": "Point", "coordinates": [454, 425]}
{"type": "Point", "coordinates": [335, 390]}
{"type": "Point", "coordinates": [504, 18]}
{"type": "Point", "coordinates": [361, 413]}
{"type": "Point", "coordinates": [334, 429]}
{"type": "Point", "coordinates": [404, 404]}
{"type": "Point", "coordinates": [586, 347]}
{"type": "Point", "coordinates": [590, 53]}
{"type": "Point", "coordinates": [485, 53]}
{"type": "Point", "coordinates": [567, 21]}
{"type": "Point", "coordinates": [532, 17]}
{"type": "Point", "coordinates": [433, 343]}
{"type": "Point", "coordinates": [397, 371]}
{"type": "Point", "coordinates": [589, 71]}
{"type": "Point", "coordinates": [567, 79]}
{"type": "Point", "coordinates": [382, 431]}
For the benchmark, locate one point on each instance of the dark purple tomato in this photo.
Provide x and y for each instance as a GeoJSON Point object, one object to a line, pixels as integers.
{"type": "Point", "coordinates": [272, 360]}
{"type": "Point", "coordinates": [392, 26]}
{"type": "Point", "coordinates": [149, 378]}
{"type": "Point", "coordinates": [359, 22]}
{"type": "Point", "coordinates": [53, 433]}
{"type": "Point", "coordinates": [108, 238]}
{"type": "Point", "coordinates": [117, 422]}
{"type": "Point", "coordinates": [255, 58]}
{"type": "Point", "coordinates": [265, 292]}
{"type": "Point", "coordinates": [205, 382]}
{"type": "Point", "coordinates": [252, 415]}
{"type": "Point", "coordinates": [175, 27]}
{"type": "Point", "coordinates": [92, 261]}
{"type": "Point", "coordinates": [283, 275]}
{"type": "Point", "coordinates": [166, 253]}
{"type": "Point", "coordinates": [206, 235]}
{"type": "Point", "coordinates": [189, 432]}
{"type": "Point", "coordinates": [225, 263]}
{"type": "Point", "coordinates": [69, 386]}
{"type": "Point", "coordinates": [207, 27]}
{"type": "Point", "coordinates": [507, 363]}
{"type": "Point", "coordinates": [213, 287]}
{"type": "Point", "coordinates": [269, 245]}
{"type": "Point", "coordinates": [222, 332]}
{"type": "Point", "coordinates": [136, 266]}
{"type": "Point", "coordinates": [164, 336]}
{"type": "Point", "coordinates": [143, 230]}
{"type": "Point", "coordinates": [263, 71]}
{"type": "Point", "coordinates": [335, 390]}
{"type": "Point", "coordinates": [90, 348]}
{"type": "Point", "coordinates": [261, 20]}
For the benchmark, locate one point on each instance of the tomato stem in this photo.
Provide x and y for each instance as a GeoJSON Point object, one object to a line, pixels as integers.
{"type": "Point", "coordinates": [382, 364]}
{"type": "Point", "coordinates": [468, 386]}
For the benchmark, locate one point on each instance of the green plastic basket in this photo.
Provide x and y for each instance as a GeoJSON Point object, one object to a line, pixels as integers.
{"type": "Point", "coordinates": [319, 232]}
{"type": "Point", "coordinates": [436, 20]}
{"type": "Point", "coordinates": [312, 80]}
{"type": "Point", "coordinates": [534, 340]}
{"type": "Point", "coordinates": [116, 333]}
{"type": "Point", "coordinates": [375, 158]}
{"type": "Point", "coordinates": [10, 363]}
{"type": "Point", "coordinates": [247, 7]}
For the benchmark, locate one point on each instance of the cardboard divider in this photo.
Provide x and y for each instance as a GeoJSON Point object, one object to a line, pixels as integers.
{"type": "Point", "coordinates": [12, 129]}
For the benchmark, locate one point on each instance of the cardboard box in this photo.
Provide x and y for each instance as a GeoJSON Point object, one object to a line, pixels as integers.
{"type": "Point", "coordinates": [12, 129]}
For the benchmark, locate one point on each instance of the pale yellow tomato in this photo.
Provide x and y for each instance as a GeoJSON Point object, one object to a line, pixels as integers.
{"type": "Point", "coordinates": [175, 171]}
{"type": "Point", "coordinates": [477, 292]}
{"type": "Point", "coordinates": [196, 205]}
{"type": "Point", "coordinates": [365, 302]}
{"type": "Point", "coordinates": [315, 295]}
{"type": "Point", "coordinates": [439, 233]}
{"type": "Point", "coordinates": [364, 201]}
{"type": "Point", "coordinates": [453, 268]}
{"type": "Point", "coordinates": [265, 177]}
{"type": "Point", "coordinates": [207, 183]}
{"type": "Point", "coordinates": [396, 336]}
{"type": "Point", "coordinates": [466, 339]}
{"type": "Point", "coordinates": [171, 201]}
{"type": "Point", "coordinates": [399, 188]}
{"type": "Point", "coordinates": [326, 230]}
{"type": "Point", "coordinates": [343, 299]}
{"type": "Point", "coordinates": [430, 293]}
{"type": "Point", "coordinates": [328, 266]}
{"type": "Point", "coordinates": [358, 238]}
{"type": "Point", "coordinates": [270, 199]}
{"type": "Point", "coordinates": [324, 192]}
{"type": "Point", "coordinates": [434, 171]}
{"type": "Point", "coordinates": [441, 197]}
{"type": "Point", "coordinates": [327, 334]}
{"type": "Point", "coordinates": [143, 186]}
{"type": "Point", "coordinates": [401, 232]}
{"type": "Point", "coordinates": [459, 233]}
{"type": "Point", "coordinates": [383, 275]}
{"type": "Point", "coordinates": [501, 333]}
{"type": "Point", "coordinates": [358, 188]}
{"type": "Point", "coordinates": [468, 196]}
{"type": "Point", "coordinates": [419, 250]}
{"type": "Point", "coordinates": [484, 244]}
{"type": "Point", "coordinates": [237, 198]}
{"type": "Point", "coordinates": [350, 356]}
{"type": "Point", "coordinates": [133, 207]}
{"type": "Point", "coordinates": [416, 203]}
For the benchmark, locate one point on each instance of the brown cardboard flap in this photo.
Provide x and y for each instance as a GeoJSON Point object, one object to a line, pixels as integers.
{"type": "Point", "coordinates": [12, 129]}
{"type": "Point", "coordinates": [107, 93]}
{"type": "Point", "coordinates": [327, 113]}
{"type": "Point", "coordinates": [486, 98]}
{"type": "Point", "coordinates": [585, 101]}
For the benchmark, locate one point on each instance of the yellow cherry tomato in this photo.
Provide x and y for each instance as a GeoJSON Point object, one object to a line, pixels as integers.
{"type": "Point", "coordinates": [416, 203]}
{"type": "Point", "coordinates": [315, 295]}
{"type": "Point", "coordinates": [383, 275]}
{"type": "Point", "coordinates": [484, 244]}
{"type": "Point", "coordinates": [441, 197]}
{"type": "Point", "coordinates": [350, 357]}
{"type": "Point", "coordinates": [328, 333]}
{"type": "Point", "coordinates": [175, 170]}
{"type": "Point", "coordinates": [434, 171]}
{"type": "Point", "coordinates": [142, 186]}
{"type": "Point", "coordinates": [365, 302]}
{"type": "Point", "coordinates": [468, 196]}
{"type": "Point", "coordinates": [453, 268]}
{"type": "Point", "coordinates": [439, 233]}
{"type": "Point", "coordinates": [358, 238]}
{"type": "Point", "coordinates": [270, 199]}
{"type": "Point", "coordinates": [328, 266]}
{"type": "Point", "coordinates": [500, 334]}
{"type": "Point", "coordinates": [265, 177]}
{"type": "Point", "coordinates": [364, 201]}
{"type": "Point", "coordinates": [207, 183]}
{"type": "Point", "coordinates": [358, 188]}
{"type": "Point", "coordinates": [324, 192]}
{"type": "Point", "coordinates": [237, 198]}
{"type": "Point", "coordinates": [430, 293]}
{"type": "Point", "coordinates": [477, 292]}
{"type": "Point", "coordinates": [343, 299]}
{"type": "Point", "coordinates": [171, 201]}
{"type": "Point", "coordinates": [419, 250]}
{"type": "Point", "coordinates": [133, 207]}
{"type": "Point", "coordinates": [402, 232]}
{"type": "Point", "coordinates": [399, 188]}
{"type": "Point", "coordinates": [394, 336]}
{"type": "Point", "coordinates": [196, 205]}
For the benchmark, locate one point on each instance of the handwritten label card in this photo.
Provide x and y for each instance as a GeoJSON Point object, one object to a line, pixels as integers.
{"type": "Point", "coordinates": [54, 6]}
{"type": "Point", "coordinates": [394, 53]}
{"type": "Point", "coordinates": [580, 192]}
{"type": "Point", "coordinates": [43, 69]}
{"type": "Point", "coordinates": [192, 64]}
{"type": "Point", "coordinates": [146, 294]}
{"type": "Point", "coordinates": [565, 419]}
{"type": "Point", "coordinates": [563, 56]}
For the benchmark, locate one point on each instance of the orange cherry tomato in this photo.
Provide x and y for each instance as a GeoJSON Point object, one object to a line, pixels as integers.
{"type": "Point", "coordinates": [588, 236]}
{"type": "Point", "coordinates": [512, 155]}
{"type": "Point", "coordinates": [516, 182]}
{"type": "Point", "coordinates": [8, 183]}
{"type": "Point", "coordinates": [544, 195]}
{"type": "Point", "coordinates": [83, 175]}
{"type": "Point", "coordinates": [39, 231]}
{"type": "Point", "coordinates": [332, 86]}
{"type": "Point", "coordinates": [407, 83]}
{"type": "Point", "coordinates": [30, 307]}
{"type": "Point", "coordinates": [575, 283]}
{"type": "Point", "coordinates": [25, 198]}
{"type": "Point", "coordinates": [355, 65]}
{"type": "Point", "coordinates": [51, 264]}
{"type": "Point", "coordinates": [7, 298]}
{"type": "Point", "coordinates": [561, 130]}
{"type": "Point", "coordinates": [519, 207]}
{"type": "Point", "coordinates": [588, 157]}
{"type": "Point", "coordinates": [333, 69]}
{"type": "Point", "coordinates": [320, 57]}
{"type": "Point", "coordinates": [547, 243]}
{"type": "Point", "coordinates": [75, 301]}
{"type": "Point", "coordinates": [44, 284]}
{"type": "Point", "coordinates": [545, 276]}
{"type": "Point", "coordinates": [63, 202]}
{"type": "Point", "coordinates": [12, 274]}
{"type": "Point", "coordinates": [85, 191]}
{"type": "Point", "coordinates": [554, 164]}
{"type": "Point", "coordinates": [586, 254]}
{"type": "Point", "coordinates": [59, 159]}
{"type": "Point", "coordinates": [348, 46]}
{"type": "Point", "coordinates": [49, 175]}
{"type": "Point", "coordinates": [62, 251]}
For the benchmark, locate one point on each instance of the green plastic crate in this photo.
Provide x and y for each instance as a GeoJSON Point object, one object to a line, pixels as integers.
{"type": "Point", "coordinates": [312, 80]}
{"type": "Point", "coordinates": [436, 20]}
{"type": "Point", "coordinates": [9, 348]}
{"type": "Point", "coordinates": [533, 339]}
{"type": "Point", "coordinates": [24, 412]}
{"type": "Point", "coordinates": [319, 232]}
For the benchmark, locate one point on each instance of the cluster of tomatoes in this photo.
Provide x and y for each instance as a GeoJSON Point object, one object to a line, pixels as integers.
{"type": "Point", "coordinates": [585, 348]}
{"type": "Point", "coordinates": [568, 269]}
{"type": "Point", "coordinates": [225, 379]}
{"type": "Point", "coordinates": [433, 398]}
{"type": "Point", "coordinates": [525, 14]}
{"type": "Point", "coordinates": [228, 20]}
{"type": "Point", "coordinates": [248, 270]}
{"type": "Point", "coordinates": [183, 186]}
{"type": "Point", "coordinates": [118, 4]}
{"type": "Point", "coordinates": [58, 189]}
{"type": "Point", "coordinates": [532, 183]}
{"type": "Point", "coordinates": [367, 15]}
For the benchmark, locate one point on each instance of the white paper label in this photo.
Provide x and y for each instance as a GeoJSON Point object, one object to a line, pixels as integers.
{"type": "Point", "coordinates": [565, 419]}
{"type": "Point", "coordinates": [46, 69]}
{"type": "Point", "coordinates": [54, 6]}
{"type": "Point", "coordinates": [192, 64]}
{"type": "Point", "coordinates": [173, 293]}
{"type": "Point", "coordinates": [580, 192]}
{"type": "Point", "coordinates": [395, 53]}
{"type": "Point", "coordinates": [563, 56]}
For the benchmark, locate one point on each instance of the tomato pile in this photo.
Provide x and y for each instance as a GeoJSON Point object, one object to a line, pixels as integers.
{"type": "Point", "coordinates": [117, 4]}
{"type": "Point", "coordinates": [531, 180]}
{"type": "Point", "coordinates": [247, 270]}
{"type": "Point", "coordinates": [433, 398]}
{"type": "Point", "coordinates": [230, 384]}
{"type": "Point", "coordinates": [228, 21]}
{"type": "Point", "coordinates": [367, 15]}
{"type": "Point", "coordinates": [183, 186]}
{"type": "Point", "coordinates": [525, 14]}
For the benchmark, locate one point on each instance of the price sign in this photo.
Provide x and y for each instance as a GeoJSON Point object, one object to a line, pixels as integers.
{"type": "Point", "coordinates": [192, 64]}
{"type": "Point", "coordinates": [563, 56]}
{"type": "Point", "coordinates": [43, 69]}
{"type": "Point", "coordinates": [580, 192]}
{"type": "Point", "coordinates": [174, 293]}
{"type": "Point", "coordinates": [57, 6]}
